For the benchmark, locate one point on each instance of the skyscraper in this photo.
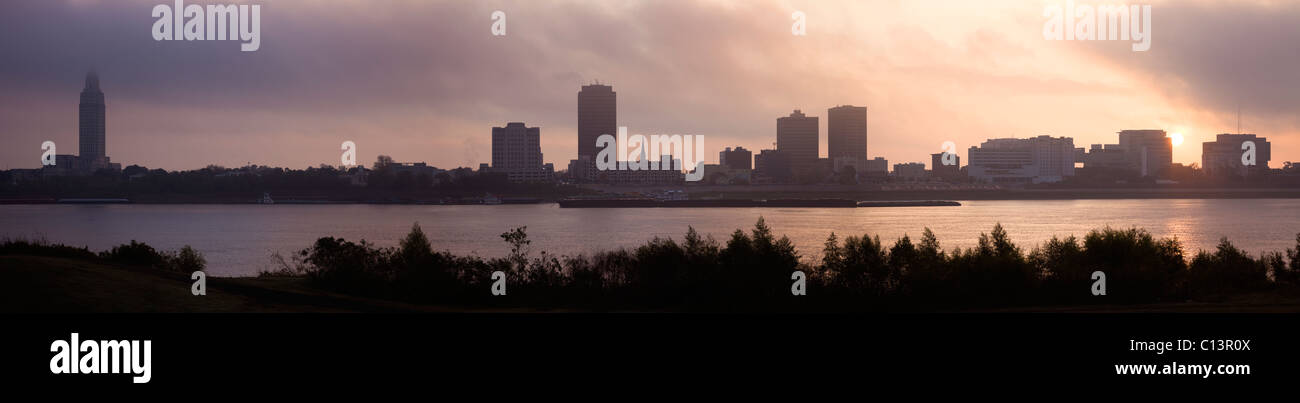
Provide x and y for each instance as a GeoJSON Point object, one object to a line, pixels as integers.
{"type": "Point", "coordinates": [797, 138]}
{"type": "Point", "coordinates": [597, 115]}
{"type": "Point", "coordinates": [91, 124]}
{"type": "Point", "coordinates": [846, 132]}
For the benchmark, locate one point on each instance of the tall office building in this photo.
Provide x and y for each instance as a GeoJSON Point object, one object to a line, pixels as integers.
{"type": "Point", "coordinates": [1223, 156]}
{"type": "Point", "coordinates": [597, 115]}
{"type": "Point", "coordinates": [517, 152]}
{"type": "Point", "coordinates": [1150, 152]}
{"type": "Point", "coordinates": [797, 138]}
{"type": "Point", "coordinates": [846, 132]}
{"type": "Point", "coordinates": [91, 126]}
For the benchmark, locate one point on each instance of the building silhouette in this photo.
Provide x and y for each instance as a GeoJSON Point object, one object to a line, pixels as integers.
{"type": "Point", "coordinates": [846, 132]}
{"type": "Point", "coordinates": [1011, 160]}
{"type": "Point", "coordinates": [597, 115]}
{"type": "Point", "coordinates": [91, 121]}
{"type": "Point", "coordinates": [517, 153]}
{"type": "Point", "coordinates": [738, 158]}
{"type": "Point", "coordinates": [797, 139]}
{"type": "Point", "coordinates": [1149, 152]}
{"type": "Point", "coordinates": [876, 168]}
{"type": "Point", "coordinates": [1110, 157]}
{"type": "Point", "coordinates": [1223, 156]}
{"type": "Point", "coordinates": [910, 170]}
{"type": "Point", "coordinates": [943, 171]}
{"type": "Point", "coordinates": [772, 166]}
{"type": "Point", "coordinates": [91, 140]}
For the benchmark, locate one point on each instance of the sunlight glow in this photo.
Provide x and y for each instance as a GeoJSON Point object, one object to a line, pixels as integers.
{"type": "Point", "coordinates": [1176, 139]}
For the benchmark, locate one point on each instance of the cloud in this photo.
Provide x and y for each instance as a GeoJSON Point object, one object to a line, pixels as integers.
{"type": "Point", "coordinates": [425, 81]}
{"type": "Point", "coordinates": [1221, 56]}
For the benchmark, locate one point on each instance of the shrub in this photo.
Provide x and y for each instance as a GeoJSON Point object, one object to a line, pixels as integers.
{"type": "Point", "coordinates": [185, 260]}
{"type": "Point", "coordinates": [136, 254]}
{"type": "Point", "coordinates": [41, 247]}
{"type": "Point", "coordinates": [1137, 266]}
{"type": "Point", "coordinates": [1227, 270]}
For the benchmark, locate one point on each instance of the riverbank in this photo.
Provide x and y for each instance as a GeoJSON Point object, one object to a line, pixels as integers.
{"type": "Point", "coordinates": [36, 284]}
{"type": "Point", "coordinates": [754, 271]}
{"type": "Point", "coordinates": [713, 192]}
{"type": "Point", "coordinates": [40, 284]}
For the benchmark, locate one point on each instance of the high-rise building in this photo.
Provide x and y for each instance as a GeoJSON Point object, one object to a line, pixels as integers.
{"type": "Point", "coordinates": [91, 141]}
{"type": "Point", "coordinates": [1224, 155]}
{"type": "Point", "coordinates": [797, 138]}
{"type": "Point", "coordinates": [846, 132]}
{"type": "Point", "coordinates": [1149, 152]}
{"type": "Point", "coordinates": [517, 152]}
{"type": "Point", "coordinates": [597, 115]}
{"type": "Point", "coordinates": [91, 124]}
{"type": "Point", "coordinates": [738, 158]}
{"type": "Point", "coordinates": [1033, 160]}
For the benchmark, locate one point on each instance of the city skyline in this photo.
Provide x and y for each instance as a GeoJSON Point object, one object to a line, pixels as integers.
{"type": "Point", "coordinates": [277, 107]}
{"type": "Point", "coordinates": [516, 148]}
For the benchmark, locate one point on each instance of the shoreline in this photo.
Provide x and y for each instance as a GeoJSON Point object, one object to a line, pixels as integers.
{"type": "Point", "coordinates": [751, 193]}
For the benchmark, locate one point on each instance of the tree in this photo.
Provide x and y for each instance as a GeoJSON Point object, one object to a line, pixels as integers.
{"type": "Point", "coordinates": [134, 170]}
{"type": "Point", "coordinates": [415, 247]}
{"type": "Point", "coordinates": [518, 241]}
{"type": "Point", "coordinates": [382, 162]}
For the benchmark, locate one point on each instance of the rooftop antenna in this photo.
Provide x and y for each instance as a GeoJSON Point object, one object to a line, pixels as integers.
{"type": "Point", "coordinates": [1239, 118]}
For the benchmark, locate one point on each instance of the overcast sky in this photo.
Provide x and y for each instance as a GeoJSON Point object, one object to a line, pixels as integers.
{"type": "Point", "coordinates": [426, 80]}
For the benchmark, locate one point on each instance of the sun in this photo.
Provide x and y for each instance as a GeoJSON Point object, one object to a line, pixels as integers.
{"type": "Point", "coordinates": [1176, 139]}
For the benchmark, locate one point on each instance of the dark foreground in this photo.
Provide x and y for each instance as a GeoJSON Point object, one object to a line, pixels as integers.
{"type": "Point", "coordinates": [36, 284]}
{"type": "Point", "coordinates": [1107, 270]}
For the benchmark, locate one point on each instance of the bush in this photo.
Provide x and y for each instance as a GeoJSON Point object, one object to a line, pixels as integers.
{"type": "Point", "coordinates": [185, 260]}
{"type": "Point", "coordinates": [752, 271]}
{"type": "Point", "coordinates": [42, 247]}
{"type": "Point", "coordinates": [1227, 270]}
{"type": "Point", "coordinates": [995, 271]}
{"type": "Point", "coordinates": [136, 254]}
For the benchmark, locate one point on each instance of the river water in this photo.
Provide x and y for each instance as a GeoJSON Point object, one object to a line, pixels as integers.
{"type": "Point", "coordinates": [240, 240]}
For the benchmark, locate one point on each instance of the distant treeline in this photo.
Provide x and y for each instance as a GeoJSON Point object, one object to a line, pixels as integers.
{"type": "Point", "coordinates": [137, 254]}
{"type": "Point", "coordinates": [248, 184]}
{"type": "Point", "coordinates": [753, 271]}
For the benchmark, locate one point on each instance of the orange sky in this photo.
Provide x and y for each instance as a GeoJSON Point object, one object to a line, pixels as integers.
{"type": "Point", "coordinates": [426, 81]}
